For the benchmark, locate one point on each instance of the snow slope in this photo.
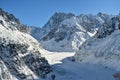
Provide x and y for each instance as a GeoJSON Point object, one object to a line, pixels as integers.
{"type": "Point", "coordinates": [104, 51]}
{"type": "Point", "coordinates": [20, 58]}
{"type": "Point", "coordinates": [65, 69]}
{"type": "Point", "coordinates": [104, 48]}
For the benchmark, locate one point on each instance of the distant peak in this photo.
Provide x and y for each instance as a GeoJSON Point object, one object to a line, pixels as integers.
{"type": "Point", "coordinates": [0, 9]}
{"type": "Point", "coordinates": [99, 13]}
{"type": "Point", "coordinates": [62, 14]}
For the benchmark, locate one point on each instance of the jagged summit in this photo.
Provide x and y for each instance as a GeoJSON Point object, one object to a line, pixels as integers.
{"type": "Point", "coordinates": [66, 32]}
{"type": "Point", "coordinates": [95, 38]}
{"type": "Point", "coordinates": [103, 48]}
{"type": "Point", "coordinates": [56, 19]}
{"type": "Point", "coordinates": [8, 17]}
{"type": "Point", "coordinates": [11, 22]}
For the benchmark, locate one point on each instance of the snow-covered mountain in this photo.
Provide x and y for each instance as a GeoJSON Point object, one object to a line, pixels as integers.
{"type": "Point", "coordinates": [35, 32]}
{"type": "Point", "coordinates": [20, 57]}
{"type": "Point", "coordinates": [104, 47]}
{"type": "Point", "coordinates": [67, 32]}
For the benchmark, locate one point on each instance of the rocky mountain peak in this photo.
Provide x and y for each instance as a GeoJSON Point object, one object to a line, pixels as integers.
{"type": "Point", "coordinates": [11, 22]}
{"type": "Point", "coordinates": [20, 57]}
{"type": "Point", "coordinates": [109, 27]}
{"type": "Point", "coordinates": [8, 17]}
{"type": "Point", "coordinates": [56, 19]}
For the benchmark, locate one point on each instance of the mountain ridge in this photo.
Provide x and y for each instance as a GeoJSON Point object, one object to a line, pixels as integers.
{"type": "Point", "coordinates": [62, 29]}
{"type": "Point", "coordinates": [103, 48]}
{"type": "Point", "coordinates": [20, 55]}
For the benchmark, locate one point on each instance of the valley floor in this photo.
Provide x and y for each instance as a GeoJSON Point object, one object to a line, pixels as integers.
{"type": "Point", "coordinates": [65, 69]}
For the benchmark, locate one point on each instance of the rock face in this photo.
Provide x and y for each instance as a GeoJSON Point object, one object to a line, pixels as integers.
{"type": "Point", "coordinates": [55, 21]}
{"type": "Point", "coordinates": [20, 56]}
{"type": "Point", "coordinates": [35, 32]}
{"type": "Point", "coordinates": [103, 48]}
{"type": "Point", "coordinates": [11, 22]}
{"type": "Point", "coordinates": [67, 32]}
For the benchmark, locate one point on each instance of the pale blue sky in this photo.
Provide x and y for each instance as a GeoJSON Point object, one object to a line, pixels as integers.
{"type": "Point", "coordinates": [38, 12]}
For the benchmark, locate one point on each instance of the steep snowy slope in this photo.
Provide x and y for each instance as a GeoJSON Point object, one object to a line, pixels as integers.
{"type": "Point", "coordinates": [20, 58]}
{"type": "Point", "coordinates": [67, 32]}
{"type": "Point", "coordinates": [104, 48]}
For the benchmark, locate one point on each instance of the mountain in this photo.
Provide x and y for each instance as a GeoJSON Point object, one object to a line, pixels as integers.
{"type": "Point", "coordinates": [54, 21]}
{"type": "Point", "coordinates": [103, 48]}
{"type": "Point", "coordinates": [20, 57]}
{"type": "Point", "coordinates": [67, 32]}
{"type": "Point", "coordinates": [35, 32]}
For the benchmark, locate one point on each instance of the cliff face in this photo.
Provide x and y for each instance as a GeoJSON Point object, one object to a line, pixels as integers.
{"type": "Point", "coordinates": [20, 56]}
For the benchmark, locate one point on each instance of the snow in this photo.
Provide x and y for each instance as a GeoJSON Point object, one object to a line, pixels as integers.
{"type": "Point", "coordinates": [12, 67]}
{"type": "Point", "coordinates": [105, 51]}
{"type": "Point", "coordinates": [65, 69]}
{"type": "Point", "coordinates": [74, 21]}
{"type": "Point", "coordinates": [17, 36]}
{"type": "Point", "coordinates": [93, 33]}
{"type": "Point", "coordinates": [100, 20]}
{"type": "Point", "coordinates": [79, 39]}
{"type": "Point", "coordinates": [22, 38]}
{"type": "Point", "coordinates": [61, 46]}
{"type": "Point", "coordinates": [77, 28]}
{"type": "Point", "coordinates": [66, 45]}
